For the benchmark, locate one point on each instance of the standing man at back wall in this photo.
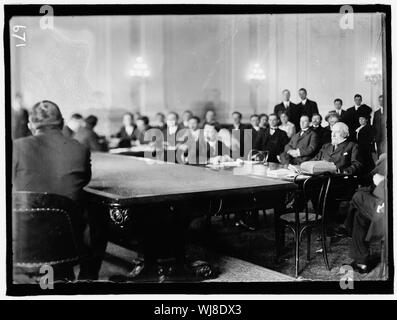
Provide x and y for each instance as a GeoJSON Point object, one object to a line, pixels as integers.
{"type": "Point", "coordinates": [292, 110]}
{"type": "Point", "coordinates": [307, 107]}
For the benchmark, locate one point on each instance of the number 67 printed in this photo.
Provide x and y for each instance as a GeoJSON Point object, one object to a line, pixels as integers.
{"type": "Point", "coordinates": [22, 37]}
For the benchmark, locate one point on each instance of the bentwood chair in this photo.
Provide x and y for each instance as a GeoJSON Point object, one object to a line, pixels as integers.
{"type": "Point", "coordinates": [43, 234]}
{"type": "Point", "coordinates": [299, 222]}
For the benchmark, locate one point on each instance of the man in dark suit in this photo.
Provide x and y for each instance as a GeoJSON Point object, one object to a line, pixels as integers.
{"type": "Point", "coordinates": [302, 146]}
{"type": "Point", "coordinates": [238, 125]}
{"type": "Point", "coordinates": [344, 154]}
{"type": "Point", "coordinates": [171, 129]}
{"type": "Point", "coordinates": [350, 117]}
{"type": "Point", "coordinates": [88, 137]}
{"type": "Point", "coordinates": [214, 146]}
{"type": "Point", "coordinates": [323, 133]}
{"type": "Point", "coordinates": [307, 107]}
{"type": "Point", "coordinates": [142, 125]}
{"type": "Point", "coordinates": [258, 133]}
{"type": "Point", "coordinates": [127, 133]}
{"type": "Point", "coordinates": [379, 125]}
{"type": "Point", "coordinates": [338, 103]}
{"type": "Point", "coordinates": [282, 106]}
{"type": "Point", "coordinates": [48, 161]}
{"type": "Point", "coordinates": [367, 216]}
{"type": "Point", "coordinates": [274, 139]}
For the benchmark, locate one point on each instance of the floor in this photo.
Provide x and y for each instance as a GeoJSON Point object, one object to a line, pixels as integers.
{"type": "Point", "coordinates": [241, 255]}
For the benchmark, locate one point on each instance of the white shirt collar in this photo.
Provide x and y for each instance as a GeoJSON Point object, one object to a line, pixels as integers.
{"type": "Point", "coordinates": [212, 143]}
{"type": "Point", "coordinates": [129, 130]}
{"type": "Point", "coordinates": [304, 101]}
{"type": "Point", "coordinates": [304, 130]}
{"type": "Point", "coordinates": [356, 106]}
{"type": "Point", "coordinates": [195, 133]}
{"type": "Point", "coordinates": [172, 130]}
{"type": "Point", "coordinates": [286, 103]}
{"type": "Point", "coordinates": [341, 141]}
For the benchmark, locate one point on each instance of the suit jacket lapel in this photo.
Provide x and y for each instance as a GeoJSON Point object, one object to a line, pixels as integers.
{"type": "Point", "coordinates": [301, 136]}
{"type": "Point", "coordinates": [340, 147]}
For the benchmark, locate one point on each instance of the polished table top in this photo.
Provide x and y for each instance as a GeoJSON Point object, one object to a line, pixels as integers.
{"type": "Point", "coordinates": [139, 179]}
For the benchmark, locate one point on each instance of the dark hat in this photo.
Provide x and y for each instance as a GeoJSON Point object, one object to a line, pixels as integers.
{"type": "Point", "coordinates": [364, 112]}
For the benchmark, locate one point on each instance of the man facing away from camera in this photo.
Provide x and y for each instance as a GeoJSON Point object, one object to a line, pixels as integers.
{"type": "Point", "coordinates": [50, 162]}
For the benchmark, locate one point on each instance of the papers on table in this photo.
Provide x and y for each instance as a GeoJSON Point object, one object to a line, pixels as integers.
{"type": "Point", "coordinates": [119, 150]}
{"type": "Point", "coordinates": [140, 148]}
{"type": "Point", "coordinates": [281, 173]}
{"type": "Point", "coordinates": [231, 164]}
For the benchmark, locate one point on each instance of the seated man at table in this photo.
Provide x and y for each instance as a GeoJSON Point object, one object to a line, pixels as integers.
{"type": "Point", "coordinates": [215, 147]}
{"type": "Point", "coordinates": [72, 125]}
{"type": "Point", "coordinates": [86, 135]}
{"type": "Point", "coordinates": [343, 153]}
{"type": "Point", "coordinates": [258, 133]}
{"type": "Point", "coordinates": [126, 133]}
{"type": "Point", "coordinates": [302, 146]}
{"type": "Point", "coordinates": [367, 217]}
{"type": "Point", "coordinates": [194, 148]}
{"type": "Point", "coordinates": [274, 139]}
{"type": "Point", "coordinates": [171, 129]}
{"type": "Point", "coordinates": [142, 124]}
{"type": "Point", "coordinates": [50, 162]}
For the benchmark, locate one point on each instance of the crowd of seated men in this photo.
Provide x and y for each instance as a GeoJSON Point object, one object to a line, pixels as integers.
{"type": "Point", "coordinates": [292, 134]}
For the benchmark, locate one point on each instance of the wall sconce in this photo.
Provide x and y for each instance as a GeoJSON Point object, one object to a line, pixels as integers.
{"type": "Point", "coordinates": [373, 73]}
{"type": "Point", "coordinates": [139, 69]}
{"type": "Point", "coordinates": [256, 74]}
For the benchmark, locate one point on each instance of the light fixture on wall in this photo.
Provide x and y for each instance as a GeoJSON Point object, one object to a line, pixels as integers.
{"type": "Point", "coordinates": [256, 74]}
{"type": "Point", "coordinates": [373, 73]}
{"type": "Point", "coordinates": [139, 69]}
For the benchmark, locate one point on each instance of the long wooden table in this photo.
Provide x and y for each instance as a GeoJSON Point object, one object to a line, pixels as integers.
{"type": "Point", "coordinates": [124, 187]}
{"type": "Point", "coordinates": [124, 182]}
